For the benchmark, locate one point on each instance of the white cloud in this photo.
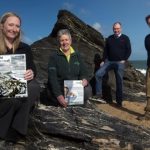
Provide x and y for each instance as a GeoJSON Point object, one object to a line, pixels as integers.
{"type": "Point", "coordinates": [97, 26]}
{"type": "Point", "coordinates": [67, 6]}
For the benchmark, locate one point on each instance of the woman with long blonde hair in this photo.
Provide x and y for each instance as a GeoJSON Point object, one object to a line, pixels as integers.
{"type": "Point", "coordinates": [14, 112]}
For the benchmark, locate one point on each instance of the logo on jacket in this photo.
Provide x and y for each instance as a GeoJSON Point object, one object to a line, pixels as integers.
{"type": "Point", "coordinates": [76, 63]}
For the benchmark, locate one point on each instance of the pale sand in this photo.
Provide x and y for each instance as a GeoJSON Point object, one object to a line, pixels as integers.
{"type": "Point", "coordinates": [129, 112]}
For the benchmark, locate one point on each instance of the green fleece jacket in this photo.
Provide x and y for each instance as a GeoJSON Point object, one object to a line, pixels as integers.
{"type": "Point", "coordinates": [59, 69]}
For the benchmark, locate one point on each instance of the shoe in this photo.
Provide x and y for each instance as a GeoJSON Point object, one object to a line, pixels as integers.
{"type": "Point", "coordinates": [97, 98]}
{"type": "Point", "coordinates": [109, 102]}
{"type": "Point", "coordinates": [112, 104]}
{"type": "Point", "coordinates": [119, 105]}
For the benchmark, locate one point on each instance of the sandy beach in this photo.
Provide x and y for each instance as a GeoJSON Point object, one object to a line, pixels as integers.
{"type": "Point", "coordinates": [129, 112]}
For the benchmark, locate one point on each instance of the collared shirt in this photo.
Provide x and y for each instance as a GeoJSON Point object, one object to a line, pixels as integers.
{"type": "Point", "coordinates": [117, 36]}
{"type": "Point", "coordinates": [71, 52]}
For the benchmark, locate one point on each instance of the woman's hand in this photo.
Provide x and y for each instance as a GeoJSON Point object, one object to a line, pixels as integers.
{"type": "Point", "coordinates": [29, 75]}
{"type": "Point", "coordinates": [102, 63]}
{"type": "Point", "coordinates": [84, 82]}
{"type": "Point", "coordinates": [62, 101]}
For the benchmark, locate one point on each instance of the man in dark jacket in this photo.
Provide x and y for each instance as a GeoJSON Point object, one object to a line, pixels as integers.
{"type": "Point", "coordinates": [117, 51]}
{"type": "Point", "coordinates": [147, 46]}
{"type": "Point", "coordinates": [65, 64]}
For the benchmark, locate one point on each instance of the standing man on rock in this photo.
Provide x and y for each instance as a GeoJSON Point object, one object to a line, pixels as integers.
{"type": "Point", "coordinates": [147, 46]}
{"type": "Point", "coordinates": [117, 51]}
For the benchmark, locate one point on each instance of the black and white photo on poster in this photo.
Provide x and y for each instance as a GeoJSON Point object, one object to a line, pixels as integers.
{"type": "Point", "coordinates": [74, 92]}
{"type": "Point", "coordinates": [12, 82]}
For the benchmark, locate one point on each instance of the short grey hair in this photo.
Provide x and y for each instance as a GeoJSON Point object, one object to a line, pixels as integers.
{"type": "Point", "coordinates": [63, 32]}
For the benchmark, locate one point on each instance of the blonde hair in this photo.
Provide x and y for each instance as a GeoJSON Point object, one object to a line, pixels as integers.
{"type": "Point", "coordinates": [17, 40]}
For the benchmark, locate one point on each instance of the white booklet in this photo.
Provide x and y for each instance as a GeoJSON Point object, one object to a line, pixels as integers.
{"type": "Point", "coordinates": [12, 82]}
{"type": "Point", "coordinates": [74, 92]}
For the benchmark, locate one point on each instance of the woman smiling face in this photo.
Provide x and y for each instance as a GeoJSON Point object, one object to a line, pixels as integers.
{"type": "Point", "coordinates": [11, 28]}
{"type": "Point", "coordinates": [65, 42]}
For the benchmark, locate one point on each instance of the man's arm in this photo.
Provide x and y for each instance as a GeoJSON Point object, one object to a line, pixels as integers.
{"type": "Point", "coordinates": [128, 48]}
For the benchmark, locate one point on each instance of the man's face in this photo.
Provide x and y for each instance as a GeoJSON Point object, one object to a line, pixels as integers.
{"type": "Point", "coordinates": [117, 29]}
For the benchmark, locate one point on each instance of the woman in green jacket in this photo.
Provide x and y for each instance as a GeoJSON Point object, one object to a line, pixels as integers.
{"type": "Point", "coordinates": [66, 64]}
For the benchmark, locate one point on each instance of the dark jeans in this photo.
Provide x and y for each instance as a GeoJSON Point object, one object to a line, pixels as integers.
{"type": "Point", "coordinates": [14, 113]}
{"type": "Point", "coordinates": [119, 70]}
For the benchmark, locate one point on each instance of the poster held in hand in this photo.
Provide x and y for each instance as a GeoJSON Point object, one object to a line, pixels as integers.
{"type": "Point", "coordinates": [12, 70]}
{"type": "Point", "coordinates": [74, 92]}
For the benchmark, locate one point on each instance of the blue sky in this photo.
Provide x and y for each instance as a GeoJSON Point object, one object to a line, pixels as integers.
{"type": "Point", "coordinates": [39, 17]}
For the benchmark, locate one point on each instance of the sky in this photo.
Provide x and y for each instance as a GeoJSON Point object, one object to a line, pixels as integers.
{"type": "Point", "coordinates": [39, 17]}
